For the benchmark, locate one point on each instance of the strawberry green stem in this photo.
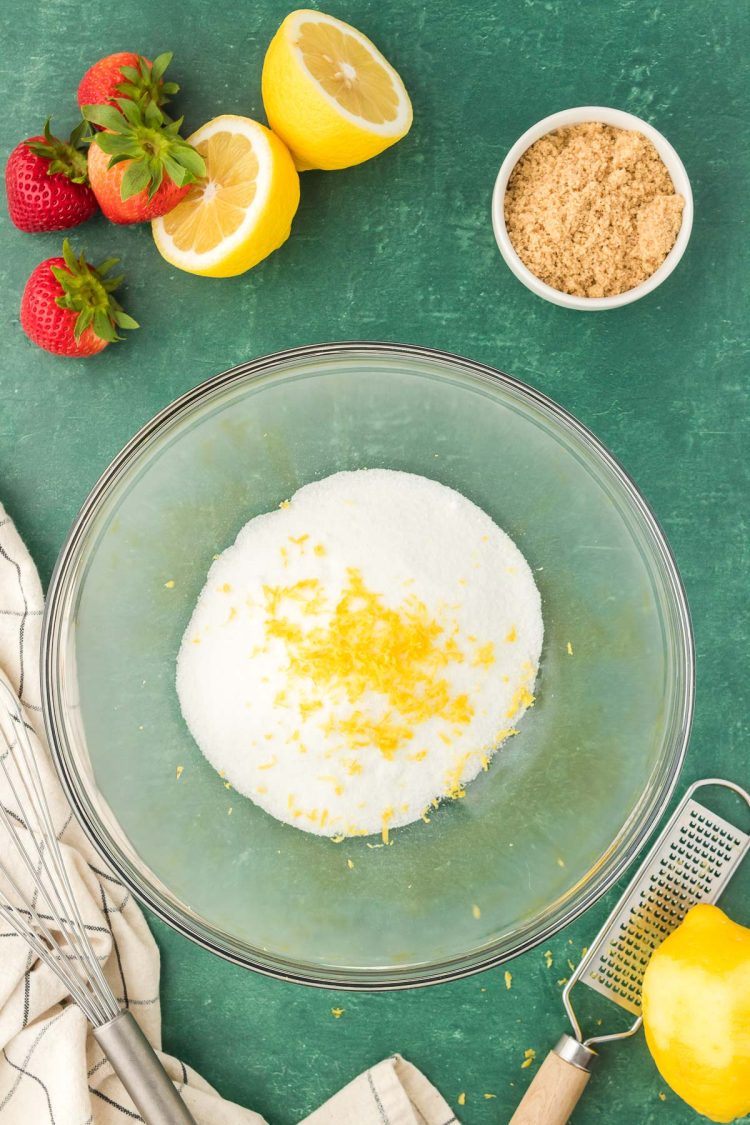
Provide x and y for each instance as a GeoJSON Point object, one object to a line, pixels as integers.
{"type": "Point", "coordinates": [145, 83]}
{"type": "Point", "coordinates": [154, 147]}
{"type": "Point", "coordinates": [66, 157]}
{"type": "Point", "coordinates": [87, 291]}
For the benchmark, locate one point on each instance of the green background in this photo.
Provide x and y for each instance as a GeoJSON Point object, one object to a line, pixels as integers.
{"type": "Point", "coordinates": [402, 249]}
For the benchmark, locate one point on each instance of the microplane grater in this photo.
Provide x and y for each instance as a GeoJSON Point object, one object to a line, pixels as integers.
{"type": "Point", "coordinates": [691, 862]}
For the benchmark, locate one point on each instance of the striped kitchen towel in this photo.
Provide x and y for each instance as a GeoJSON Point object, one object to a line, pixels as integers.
{"type": "Point", "coordinates": [51, 1069]}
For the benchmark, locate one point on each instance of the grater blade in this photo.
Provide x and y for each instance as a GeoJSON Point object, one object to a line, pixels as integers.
{"type": "Point", "coordinates": [693, 859]}
{"type": "Point", "coordinates": [691, 863]}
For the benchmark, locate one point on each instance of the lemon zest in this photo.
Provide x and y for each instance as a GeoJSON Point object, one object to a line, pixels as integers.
{"type": "Point", "coordinates": [522, 697]}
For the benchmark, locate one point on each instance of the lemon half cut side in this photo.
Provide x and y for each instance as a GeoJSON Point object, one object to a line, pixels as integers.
{"type": "Point", "coordinates": [242, 211]}
{"type": "Point", "coordinates": [330, 94]}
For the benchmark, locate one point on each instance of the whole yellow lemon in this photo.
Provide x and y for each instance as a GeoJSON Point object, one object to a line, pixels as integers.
{"type": "Point", "coordinates": [696, 1013]}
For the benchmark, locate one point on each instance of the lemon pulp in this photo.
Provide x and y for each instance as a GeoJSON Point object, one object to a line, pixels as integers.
{"type": "Point", "coordinates": [348, 72]}
{"type": "Point", "coordinates": [215, 207]}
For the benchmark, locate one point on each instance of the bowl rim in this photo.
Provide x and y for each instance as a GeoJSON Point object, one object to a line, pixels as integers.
{"type": "Point", "coordinates": [621, 119]}
{"type": "Point", "coordinates": [266, 963]}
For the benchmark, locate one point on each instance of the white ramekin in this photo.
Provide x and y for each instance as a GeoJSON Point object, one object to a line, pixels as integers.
{"type": "Point", "coordinates": [620, 120]}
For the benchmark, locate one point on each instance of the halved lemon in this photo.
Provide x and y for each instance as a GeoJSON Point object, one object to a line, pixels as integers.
{"type": "Point", "coordinates": [242, 211]}
{"type": "Point", "coordinates": [329, 93]}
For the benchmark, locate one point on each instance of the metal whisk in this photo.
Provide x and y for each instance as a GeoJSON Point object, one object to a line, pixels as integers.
{"type": "Point", "coordinates": [49, 920]}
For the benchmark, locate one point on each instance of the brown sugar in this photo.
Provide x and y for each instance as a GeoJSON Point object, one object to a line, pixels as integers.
{"type": "Point", "coordinates": [592, 210]}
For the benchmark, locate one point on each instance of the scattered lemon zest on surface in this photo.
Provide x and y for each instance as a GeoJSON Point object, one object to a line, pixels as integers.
{"type": "Point", "coordinates": [225, 589]}
{"type": "Point", "coordinates": [528, 1057]}
{"type": "Point", "coordinates": [569, 649]}
{"type": "Point", "coordinates": [229, 811]}
{"type": "Point", "coordinates": [338, 838]}
{"type": "Point", "coordinates": [571, 966]}
{"type": "Point", "coordinates": [337, 1013]}
{"type": "Point", "coordinates": [548, 958]}
{"type": "Point", "coordinates": [350, 864]}
{"type": "Point", "coordinates": [522, 697]}
{"type": "Point", "coordinates": [425, 817]}
{"type": "Point", "coordinates": [387, 818]}
{"type": "Point", "coordinates": [298, 540]}
{"type": "Point", "coordinates": [268, 765]}
{"type": "Point", "coordinates": [308, 705]}
{"type": "Point", "coordinates": [170, 585]}
{"type": "Point", "coordinates": [196, 640]}
{"type": "Point", "coordinates": [453, 785]}
{"type": "Point", "coordinates": [476, 912]}
{"type": "Point", "coordinates": [662, 1096]}
{"type": "Point", "coordinates": [484, 657]}
{"type": "Point", "coordinates": [179, 772]}
{"type": "Point", "coordinates": [508, 978]}
{"type": "Point", "coordinates": [584, 951]}
{"type": "Point", "coordinates": [319, 549]}
{"type": "Point", "coordinates": [461, 1099]}
{"type": "Point", "coordinates": [285, 503]}
{"type": "Point", "coordinates": [227, 785]}
{"type": "Point", "coordinates": [512, 635]}
{"type": "Point", "coordinates": [560, 862]}
{"type": "Point", "coordinates": [487, 1097]}
{"type": "Point", "coordinates": [562, 981]}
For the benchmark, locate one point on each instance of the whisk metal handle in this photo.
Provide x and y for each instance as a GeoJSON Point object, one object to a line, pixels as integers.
{"type": "Point", "coordinates": [557, 1085]}
{"type": "Point", "coordinates": [136, 1065]}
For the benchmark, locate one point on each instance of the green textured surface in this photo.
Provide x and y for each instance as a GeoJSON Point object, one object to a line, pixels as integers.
{"type": "Point", "coordinates": [402, 249]}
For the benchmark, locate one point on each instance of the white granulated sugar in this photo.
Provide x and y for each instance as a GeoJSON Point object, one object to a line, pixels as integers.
{"type": "Point", "coordinates": [361, 652]}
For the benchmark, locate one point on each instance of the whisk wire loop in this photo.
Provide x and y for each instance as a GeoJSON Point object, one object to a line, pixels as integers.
{"type": "Point", "coordinates": [52, 909]}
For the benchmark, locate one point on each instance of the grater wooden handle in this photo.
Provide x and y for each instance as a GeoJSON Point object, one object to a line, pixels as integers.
{"type": "Point", "coordinates": [555, 1090]}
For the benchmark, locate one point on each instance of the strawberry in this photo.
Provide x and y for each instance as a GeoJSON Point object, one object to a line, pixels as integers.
{"type": "Point", "coordinates": [126, 75]}
{"type": "Point", "coordinates": [47, 184]}
{"type": "Point", "coordinates": [68, 308]}
{"type": "Point", "coordinates": [150, 166]}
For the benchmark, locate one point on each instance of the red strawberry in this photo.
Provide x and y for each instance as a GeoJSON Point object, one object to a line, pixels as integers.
{"type": "Point", "coordinates": [68, 308]}
{"type": "Point", "coordinates": [47, 184]}
{"type": "Point", "coordinates": [139, 166]}
{"type": "Point", "coordinates": [126, 75]}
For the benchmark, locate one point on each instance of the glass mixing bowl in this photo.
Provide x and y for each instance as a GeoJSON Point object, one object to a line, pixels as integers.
{"type": "Point", "coordinates": [564, 805]}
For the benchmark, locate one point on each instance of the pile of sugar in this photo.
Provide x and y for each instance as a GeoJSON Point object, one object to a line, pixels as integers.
{"type": "Point", "coordinates": [360, 653]}
{"type": "Point", "coordinates": [592, 210]}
